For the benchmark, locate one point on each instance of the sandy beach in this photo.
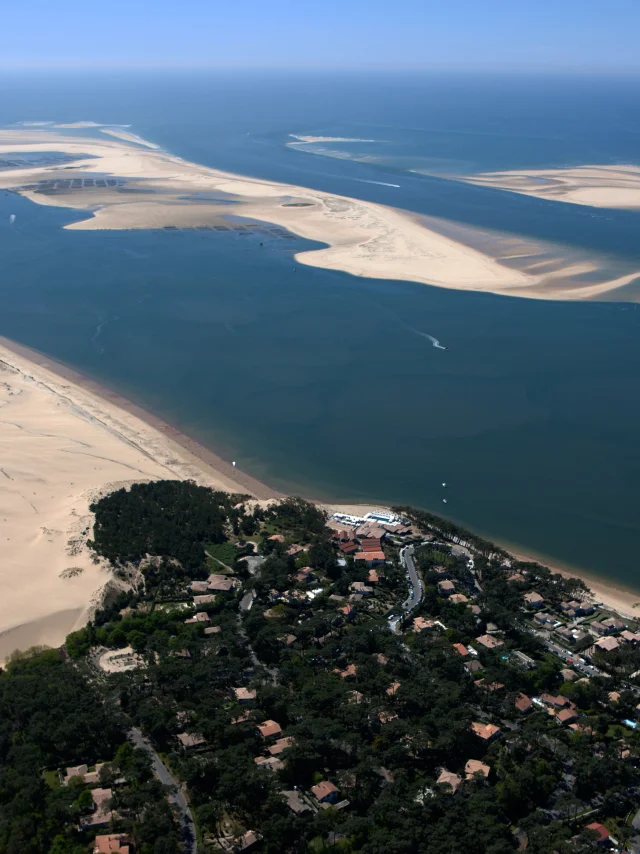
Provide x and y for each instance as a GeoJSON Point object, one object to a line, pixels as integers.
{"type": "Point", "coordinates": [62, 445]}
{"type": "Point", "coordinates": [157, 190]}
{"type": "Point", "coordinates": [593, 185]}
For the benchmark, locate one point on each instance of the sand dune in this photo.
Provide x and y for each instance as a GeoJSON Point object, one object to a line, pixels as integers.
{"type": "Point", "coordinates": [363, 238]}
{"type": "Point", "coordinates": [597, 186]}
{"type": "Point", "coordinates": [61, 447]}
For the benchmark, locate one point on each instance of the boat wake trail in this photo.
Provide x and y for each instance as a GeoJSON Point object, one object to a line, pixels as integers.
{"type": "Point", "coordinates": [434, 341]}
{"type": "Point", "coordinates": [379, 183]}
{"type": "Point", "coordinates": [431, 338]}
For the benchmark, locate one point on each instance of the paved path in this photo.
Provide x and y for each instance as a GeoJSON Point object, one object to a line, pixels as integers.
{"type": "Point", "coordinates": [415, 587]}
{"type": "Point", "coordinates": [415, 591]}
{"type": "Point", "coordinates": [176, 796]}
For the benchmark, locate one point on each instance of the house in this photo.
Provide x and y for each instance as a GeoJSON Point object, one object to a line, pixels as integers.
{"type": "Point", "coordinates": [567, 716]}
{"type": "Point", "coordinates": [200, 617]}
{"type": "Point", "coordinates": [347, 610]}
{"type": "Point", "coordinates": [373, 577]}
{"type": "Point", "coordinates": [386, 717]}
{"type": "Point", "coordinates": [294, 550]}
{"type": "Point", "coordinates": [421, 624]}
{"type": "Point", "coordinates": [90, 778]}
{"type": "Point", "coordinates": [212, 630]}
{"type": "Point", "coordinates": [295, 802]}
{"type": "Point", "coordinates": [523, 660]}
{"type": "Point", "coordinates": [382, 659]}
{"type": "Point", "coordinates": [276, 538]}
{"type": "Point", "coordinates": [606, 644]}
{"type": "Point", "coordinates": [487, 732]}
{"type": "Point", "coordinates": [102, 812]}
{"type": "Point", "coordinates": [475, 768]}
{"type": "Point", "coordinates": [269, 763]}
{"type": "Point", "coordinates": [558, 702]}
{"type": "Point", "coordinates": [448, 778]}
{"type": "Point", "coordinates": [598, 628]}
{"type": "Point", "coordinates": [221, 583]}
{"type": "Point", "coordinates": [544, 619]}
{"type": "Point", "coordinates": [111, 843]}
{"type": "Point", "coordinates": [517, 578]}
{"type": "Point", "coordinates": [361, 587]}
{"type": "Point", "coordinates": [268, 729]}
{"type": "Point", "coordinates": [630, 637]}
{"type": "Point", "coordinates": [199, 586]}
{"type": "Point", "coordinates": [349, 548]}
{"type": "Point", "coordinates": [458, 598]}
{"type": "Point", "coordinates": [614, 624]}
{"type": "Point", "coordinates": [371, 558]}
{"type": "Point", "coordinates": [75, 771]}
{"type": "Point", "coordinates": [280, 745]}
{"type": "Point", "coordinates": [287, 640]}
{"type": "Point", "coordinates": [568, 675]}
{"type": "Point", "coordinates": [473, 666]}
{"type": "Point", "coordinates": [304, 575]}
{"type": "Point", "coordinates": [461, 649]}
{"type": "Point", "coordinates": [489, 641]}
{"type": "Point", "coordinates": [244, 695]}
{"type": "Point", "coordinates": [325, 792]}
{"type": "Point", "coordinates": [247, 840]}
{"type": "Point", "coordinates": [446, 588]}
{"type": "Point", "coordinates": [576, 608]}
{"type": "Point", "coordinates": [601, 831]}
{"type": "Point", "coordinates": [350, 670]}
{"type": "Point", "coordinates": [533, 599]}
{"type": "Point", "coordinates": [523, 703]}
{"type": "Point", "coordinates": [566, 634]}
{"type": "Point", "coordinates": [190, 740]}
{"type": "Point", "coordinates": [204, 600]}
{"type": "Point", "coordinates": [392, 689]}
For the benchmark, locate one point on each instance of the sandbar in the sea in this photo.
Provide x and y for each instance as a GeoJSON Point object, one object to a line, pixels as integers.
{"type": "Point", "coordinates": [361, 238]}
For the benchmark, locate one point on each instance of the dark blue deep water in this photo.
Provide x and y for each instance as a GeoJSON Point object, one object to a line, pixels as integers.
{"type": "Point", "coordinates": [320, 382]}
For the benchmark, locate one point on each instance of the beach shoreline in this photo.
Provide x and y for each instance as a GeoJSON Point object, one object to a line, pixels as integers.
{"type": "Point", "coordinates": [613, 596]}
{"type": "Point", "coordinates": [205, 457]}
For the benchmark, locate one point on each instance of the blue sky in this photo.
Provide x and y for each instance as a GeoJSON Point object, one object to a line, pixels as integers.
{"type": "Point", "coordinates": [581, 35]}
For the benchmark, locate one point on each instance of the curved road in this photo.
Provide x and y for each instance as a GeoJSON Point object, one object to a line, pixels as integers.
{"type": "Point", "coordinates": [176, 796]}
{"type": "Point", "coordinates": [415, 591]}
{"type": "Point", "coordinates": [415, 587]}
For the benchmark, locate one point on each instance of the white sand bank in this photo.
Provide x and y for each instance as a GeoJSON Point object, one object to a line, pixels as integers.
{"type": "Point", "coordinates": [597, 186]}
{"type": "Point", "coordinates": [364, 239]}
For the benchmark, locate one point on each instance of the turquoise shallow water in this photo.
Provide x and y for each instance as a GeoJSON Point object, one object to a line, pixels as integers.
{"type": "Point", "coordinates": [328, 384]}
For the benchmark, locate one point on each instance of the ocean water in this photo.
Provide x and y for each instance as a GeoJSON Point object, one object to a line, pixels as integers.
{"type": "Point", "coordinates": [330, 385]}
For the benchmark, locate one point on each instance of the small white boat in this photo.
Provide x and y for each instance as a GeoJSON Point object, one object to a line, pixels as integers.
{"type": "Point", "coordinates": [444, 484]}
{"type": "Point", "coordinates": [444, 500]}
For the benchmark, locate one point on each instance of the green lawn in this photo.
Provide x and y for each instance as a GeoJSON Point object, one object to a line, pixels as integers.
{"type": "Point", "coordinates": [52, 779]}
{"type": "Point", "coordinates": [223, 552]}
